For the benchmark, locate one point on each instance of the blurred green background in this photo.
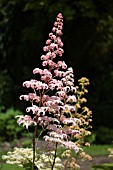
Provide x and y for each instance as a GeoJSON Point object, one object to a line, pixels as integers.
{"type": "Point", "coordinates": [88, 45]}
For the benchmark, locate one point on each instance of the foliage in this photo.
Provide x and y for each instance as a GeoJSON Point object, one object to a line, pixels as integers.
{"type": "Point", "coordinates": [26, 143]}
{"type": "Point", "coordinates": [8, 125]}
{"type": "Point", "coordinates": [5, 88]}
{"type": "Point", "coordinates": [104, 135]}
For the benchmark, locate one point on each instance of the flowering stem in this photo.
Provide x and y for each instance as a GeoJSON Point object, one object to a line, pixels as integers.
{"type": "Point", "coordinates": [34, 146]}
{"type": "Point", "coordinates": [54, 156]}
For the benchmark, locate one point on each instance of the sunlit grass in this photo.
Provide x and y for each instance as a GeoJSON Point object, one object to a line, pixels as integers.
{"type": "Point", "coordinates": [96, 150]}
{"type": "Point", "coordinates": [93, 150]}
{"type": "Point", "coordinates": [2, 153]}
{"type": "Point", "coordinates": [10, 167]}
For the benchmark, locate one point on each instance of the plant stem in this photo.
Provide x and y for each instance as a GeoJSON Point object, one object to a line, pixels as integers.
{"type": "Point", "coordinates": [54, 157]}
{"type": "Point", "coordinates": [34, 147]}
{"type": "Point", "coordinates": [35, 130]}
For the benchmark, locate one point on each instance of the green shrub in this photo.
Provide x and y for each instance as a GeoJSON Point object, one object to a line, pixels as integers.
{"type": "Point", "coordinates": [26, 143]}
{"type": "Point", "coordinates": [8, 125]}
{"type": "Point", "coordinates": [104, 135]}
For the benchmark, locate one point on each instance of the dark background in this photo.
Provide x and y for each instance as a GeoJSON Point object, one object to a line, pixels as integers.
{"type": "Point", "coordinates": [88, 45]}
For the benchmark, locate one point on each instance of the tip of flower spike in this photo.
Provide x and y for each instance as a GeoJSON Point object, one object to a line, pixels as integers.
{"type": "Point", "coordinates": [60, 16]}
{"type": "Point", "coordinates": [37, 70]}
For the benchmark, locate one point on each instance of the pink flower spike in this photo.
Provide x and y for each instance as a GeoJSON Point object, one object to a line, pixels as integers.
{"type": "Point", "coordinates": [51, 94]}
{"type": "Point", "coordinates": [60, 16]}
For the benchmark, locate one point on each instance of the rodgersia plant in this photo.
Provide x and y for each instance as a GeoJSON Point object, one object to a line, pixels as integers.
{"type": "Point", "coordinates": [85, 115]}
{"type": "Point", "coordinates": [53, 98]}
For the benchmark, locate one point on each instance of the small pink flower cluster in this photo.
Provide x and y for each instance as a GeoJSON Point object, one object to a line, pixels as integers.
{"type": "Point", "coordinates": [48, 110]}
{"type": "Point", "coordinates": [25, 120]}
